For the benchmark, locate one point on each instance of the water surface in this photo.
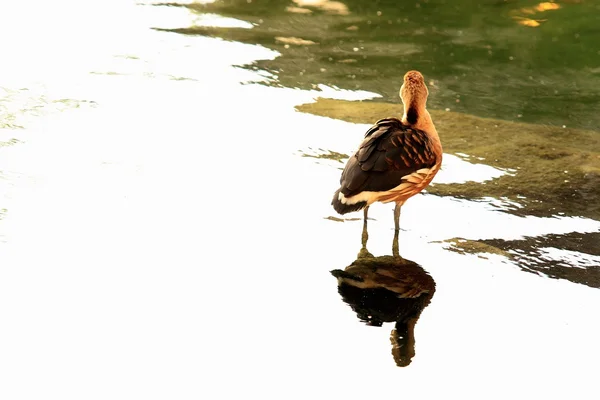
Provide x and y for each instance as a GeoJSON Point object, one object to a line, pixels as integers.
{"type": "Point", "coordinates": [165, 226]}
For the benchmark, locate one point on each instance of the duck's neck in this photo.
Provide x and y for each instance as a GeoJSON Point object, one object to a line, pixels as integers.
{"type": "Point", "coordinates": [418, 117]}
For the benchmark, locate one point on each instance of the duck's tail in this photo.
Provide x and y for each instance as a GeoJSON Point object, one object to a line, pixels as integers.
{"type": "Point", "coordinates": [343, 208]}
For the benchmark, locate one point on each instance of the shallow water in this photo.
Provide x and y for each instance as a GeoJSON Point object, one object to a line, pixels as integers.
{"type": "Point", "coordinates": [166, 232]}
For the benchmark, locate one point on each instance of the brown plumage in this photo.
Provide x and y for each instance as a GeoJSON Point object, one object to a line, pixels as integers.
{"type": "Point", "coordinates": [397, 158]}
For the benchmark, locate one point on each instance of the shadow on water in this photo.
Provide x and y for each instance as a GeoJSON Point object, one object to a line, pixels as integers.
{"type": "Point", "coordinates": [387, 289]}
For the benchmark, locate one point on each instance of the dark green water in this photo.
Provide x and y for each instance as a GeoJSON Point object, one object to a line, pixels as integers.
{"type": "Point", "coordinates": [513, 60]}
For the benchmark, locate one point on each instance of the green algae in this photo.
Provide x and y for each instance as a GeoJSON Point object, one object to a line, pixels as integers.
{"type": "Point", "coordinates": [10, 142]}
{"type": "Point", "coordinates": [552, 170]}
{"type": "Point", "coordinates": [479, 248]}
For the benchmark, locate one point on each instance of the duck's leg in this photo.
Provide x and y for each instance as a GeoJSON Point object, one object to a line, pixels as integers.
{"type": "Point", "coordinates": [365, 236]}
{"type": "Point", "coordinates": [365, 233]}
{"type": "Point", "coordinates": [397, 217]}
{"type": "Point", "coordinates": [395, 247]}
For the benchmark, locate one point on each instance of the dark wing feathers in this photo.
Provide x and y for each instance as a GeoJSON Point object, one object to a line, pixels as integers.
{"type": "Point", "coordinates": [367, 147]}
{"type": "Point", "coordinates": [352, 177]}
{"type": "Point", "coordinates": [389, 152]}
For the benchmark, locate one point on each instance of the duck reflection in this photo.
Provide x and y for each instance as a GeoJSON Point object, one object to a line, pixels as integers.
{"type": "Point", "coordinates": [387, 289]}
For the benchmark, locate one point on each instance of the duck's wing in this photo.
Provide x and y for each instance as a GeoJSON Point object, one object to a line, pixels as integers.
{"type": "Point", "coordinates": [389, 154]}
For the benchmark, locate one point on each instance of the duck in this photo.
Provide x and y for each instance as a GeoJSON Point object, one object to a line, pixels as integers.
{"type": "Point", "coordinates": [397, 158]}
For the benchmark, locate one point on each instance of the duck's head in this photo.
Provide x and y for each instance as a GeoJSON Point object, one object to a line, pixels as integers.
{"type": "Point", "coordinates": [414, 95]}
{"type": "Point", "coordinates": [413, 89]}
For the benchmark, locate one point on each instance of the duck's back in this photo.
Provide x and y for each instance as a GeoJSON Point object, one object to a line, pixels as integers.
{"type": "Point", "coordinates": [393, 161]}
